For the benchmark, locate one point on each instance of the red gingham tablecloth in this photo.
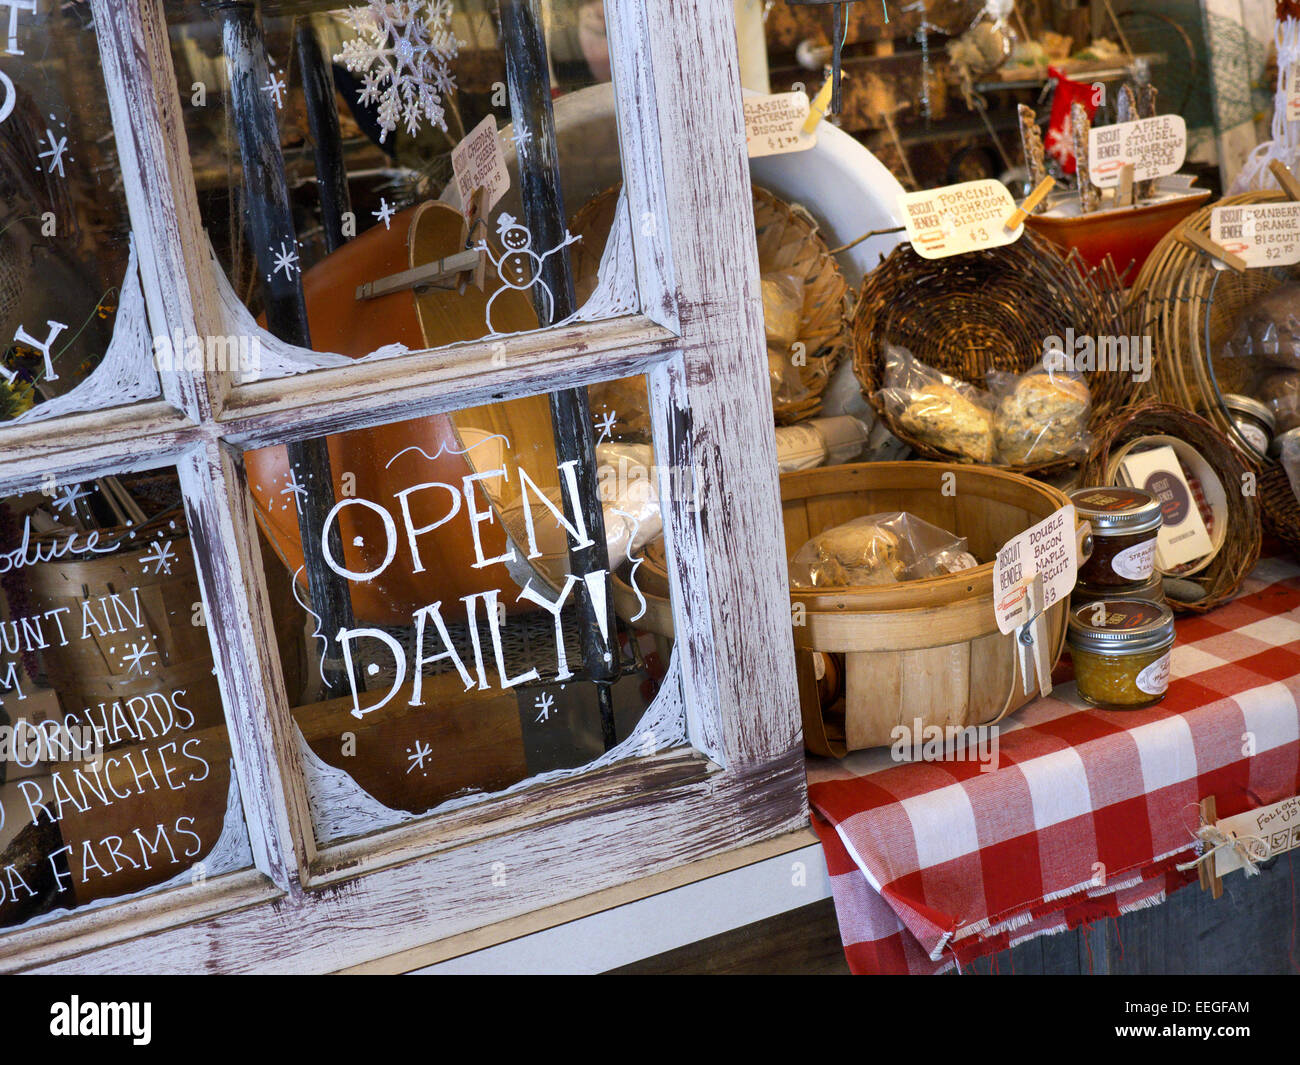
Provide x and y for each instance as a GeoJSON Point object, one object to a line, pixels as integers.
{"type": "Point", "coordinates": [1084, 814]}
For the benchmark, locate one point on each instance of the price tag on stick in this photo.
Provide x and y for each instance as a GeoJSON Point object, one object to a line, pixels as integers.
{"type": "Point", "coordinates": [777, 124]}
{"type": "Point", "coordinates": [959, 218]}
{"type": "Point", "coordinates": [1032, 573]}
{"type": "Point", "coordinates": [1154, 146]}
{"type": "Point", "coordinates": [1261, 234]}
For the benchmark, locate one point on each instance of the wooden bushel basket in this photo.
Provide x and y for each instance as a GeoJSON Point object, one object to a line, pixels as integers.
{"type": "Point", "coordinates": [926, 649]}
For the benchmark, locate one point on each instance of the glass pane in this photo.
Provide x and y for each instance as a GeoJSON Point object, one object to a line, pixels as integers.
{"type": "Point", "coordinates": [67, 277]}
{"type": "Point", "coordinates": [425, 115]}
{"type": "Point", "coordinates": [115, 772]}
{"type": "Point", "coordinates": [464, 549]}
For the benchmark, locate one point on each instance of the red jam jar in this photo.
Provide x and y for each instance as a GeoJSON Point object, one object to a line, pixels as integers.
{"type": "Point", "coordinates": [1124, 523]}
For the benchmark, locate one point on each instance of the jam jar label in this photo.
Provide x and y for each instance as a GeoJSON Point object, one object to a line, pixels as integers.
{"type": "Point", "coordinates": [1154, 680]}
{"type": "Point", "coordinates": [1135, 563]}
{"type": "Point", "coordinates": [1255, 436]}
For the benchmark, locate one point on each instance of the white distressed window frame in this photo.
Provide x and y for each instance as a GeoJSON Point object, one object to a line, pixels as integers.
{"type": "Point", "coordinates": [701, 343]}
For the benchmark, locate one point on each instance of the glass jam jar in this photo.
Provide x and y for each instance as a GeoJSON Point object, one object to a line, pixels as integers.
{"type": "Point", "coordinates": [1124, 522]}
{"type": "Point", "coordinates": [1152, 590]}
{"type": "Point", "coordinates": [1254, 421]}
{"type": "Point", "coordinates": [1120, 649]}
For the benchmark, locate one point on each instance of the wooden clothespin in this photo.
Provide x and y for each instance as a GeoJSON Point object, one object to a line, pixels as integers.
{"type": "Point", "coordinates": [1285, 179]}
{"type": "Point", "coordinates": [1199, 240]}
{"type": "Point", "coordinates": [1032, 640]}
{"type": "Point", "coordinates": [473, 212]}
{"type": "Point", "coordinates": [1206, 870]}
{"type": "Point", "coordinates": [1124, 191]}
{"type": "Point", "coordinates": [817, 108]}
{"type": "Point", "coordinates": [1018, 216]}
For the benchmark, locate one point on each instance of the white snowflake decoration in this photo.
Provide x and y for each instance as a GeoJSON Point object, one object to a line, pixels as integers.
{"type": "Point", "coordinates": [403, 52]}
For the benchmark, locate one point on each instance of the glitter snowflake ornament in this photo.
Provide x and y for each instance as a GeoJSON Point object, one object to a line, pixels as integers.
{"type": "Point", "coordinates": [402, 52]}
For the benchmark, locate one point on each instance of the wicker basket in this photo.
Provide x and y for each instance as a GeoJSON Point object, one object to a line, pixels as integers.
{"type": "Point", "coordinates": [1240, 548]}
{"type": "Point", "coordinates": [1189, 309]}
{"type": "Point", "coordinates": [986, 310]}
{"type": "Point", "coordinates": [926, 649]}
{"type": "Point", "coordinates": [787, 243]}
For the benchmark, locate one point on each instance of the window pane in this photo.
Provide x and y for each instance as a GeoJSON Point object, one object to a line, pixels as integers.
{"type": "Point", "coordinates": [115, 772]}
{"type": "Point", "coordinates": [458, 542]}
{"type": "Point", "coordinates": [68, 287]}
{"type": "Point", "coordinates": [389, 199]}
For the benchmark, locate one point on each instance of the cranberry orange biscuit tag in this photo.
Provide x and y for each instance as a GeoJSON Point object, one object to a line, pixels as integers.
{"type": "Point", "coordinates": [1261, 234]}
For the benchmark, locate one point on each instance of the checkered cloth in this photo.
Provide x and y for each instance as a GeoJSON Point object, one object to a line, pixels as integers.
{"type": "Point", "coordinates": [1084, 814]}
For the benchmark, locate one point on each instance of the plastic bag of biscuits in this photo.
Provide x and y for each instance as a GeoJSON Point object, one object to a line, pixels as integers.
{"type": "Point", "coordinates": [878, 549]}
{"type": "Point", "coordinates": [948, 414]}
{"type": "Point", "coordinates": [1042, 415]}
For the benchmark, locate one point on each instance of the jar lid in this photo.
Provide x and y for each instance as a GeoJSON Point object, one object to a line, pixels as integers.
{"type": "Point", "coordinates": [1253, 407]}
{"type": "Point", "coordinates": [1112, 508]}
{"type": "Point", "coordinates": [1121, 626]}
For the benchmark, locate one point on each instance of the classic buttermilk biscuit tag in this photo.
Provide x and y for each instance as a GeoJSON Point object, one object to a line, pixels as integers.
{"type": "Point", "coordinates": [954, 219]}
{"type": "Point", "coordinates": [774, 124]}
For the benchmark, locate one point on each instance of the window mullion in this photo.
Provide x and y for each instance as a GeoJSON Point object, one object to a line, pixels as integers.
{"type": "Point", "coordinates": [158, 180]}
{"type": "Point", "coordinates": [725, 403]}
{"type": "Point", "coordinates": [262, 732]}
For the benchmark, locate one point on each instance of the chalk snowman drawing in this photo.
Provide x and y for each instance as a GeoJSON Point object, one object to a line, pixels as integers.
{"type": "Point", "coordinates": [519, 267]}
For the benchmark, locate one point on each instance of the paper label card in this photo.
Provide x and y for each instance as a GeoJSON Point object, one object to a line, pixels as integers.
{"type": "Point", "coordinates": [1155, 146]}
{"type": "Point", "coordinates": [1262, 234]}
{"type": "Point", "coordinates": [1267, 832]}
{"type": "Point", "coordinates": [954, 219]}
{"type": "Point", "coordinates": [1048, 549]}
{"type": "Point", "coordinates": [478, 162]}
{"type": "Point", "coordinates": [1183, 536]}
{"type": "Point", "coordinates": [774, 124]}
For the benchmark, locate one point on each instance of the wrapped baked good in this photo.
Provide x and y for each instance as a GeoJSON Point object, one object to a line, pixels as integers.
{"type": "Point", "coordinates": [782, 309]}
{"type": "Point", "coordinates": [1280, 390]}
{"type": "Point", "coordinates": [1042, 416]}
{"type": "Point", "coordinates": [948, 414]}
{"type": "Point", "coordinates": [878, 549]}
{"type": "Point", "coordinates": [1268, 330]}
{"type": "Point", "coordinates": [784, 378]}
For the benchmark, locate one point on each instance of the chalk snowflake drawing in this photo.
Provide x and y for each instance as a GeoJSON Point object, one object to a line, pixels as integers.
{"type": "Point", "coordinates": [286, 259]}
{"type": "Point", "coordinates": [293, 488]}
{"type": "Point", "coordinates": [69, 496]}
{"type": "Point", "coordinates": [385, 212]}
{"type": "Point", "coordinates": [403, 52]}
{"type": "Point", "coordinates": [519, 267]}
{"type": "Point", "coordinates": [605, 425]}
{"type": "Point", "coordinates": [544, 702]}
{"type": "Point", "coordinates": [136, 656]}
{"type": "Point", "coordinates": [54, 153]}
{"type": "Point", "coordinates": [275, 86]}
{"type": "Point", "coordinates": [416, 756]}
{"type": "Point", "coordinates": [521, 136]}
{"type": "Point", "coordinates": [160, 556]}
